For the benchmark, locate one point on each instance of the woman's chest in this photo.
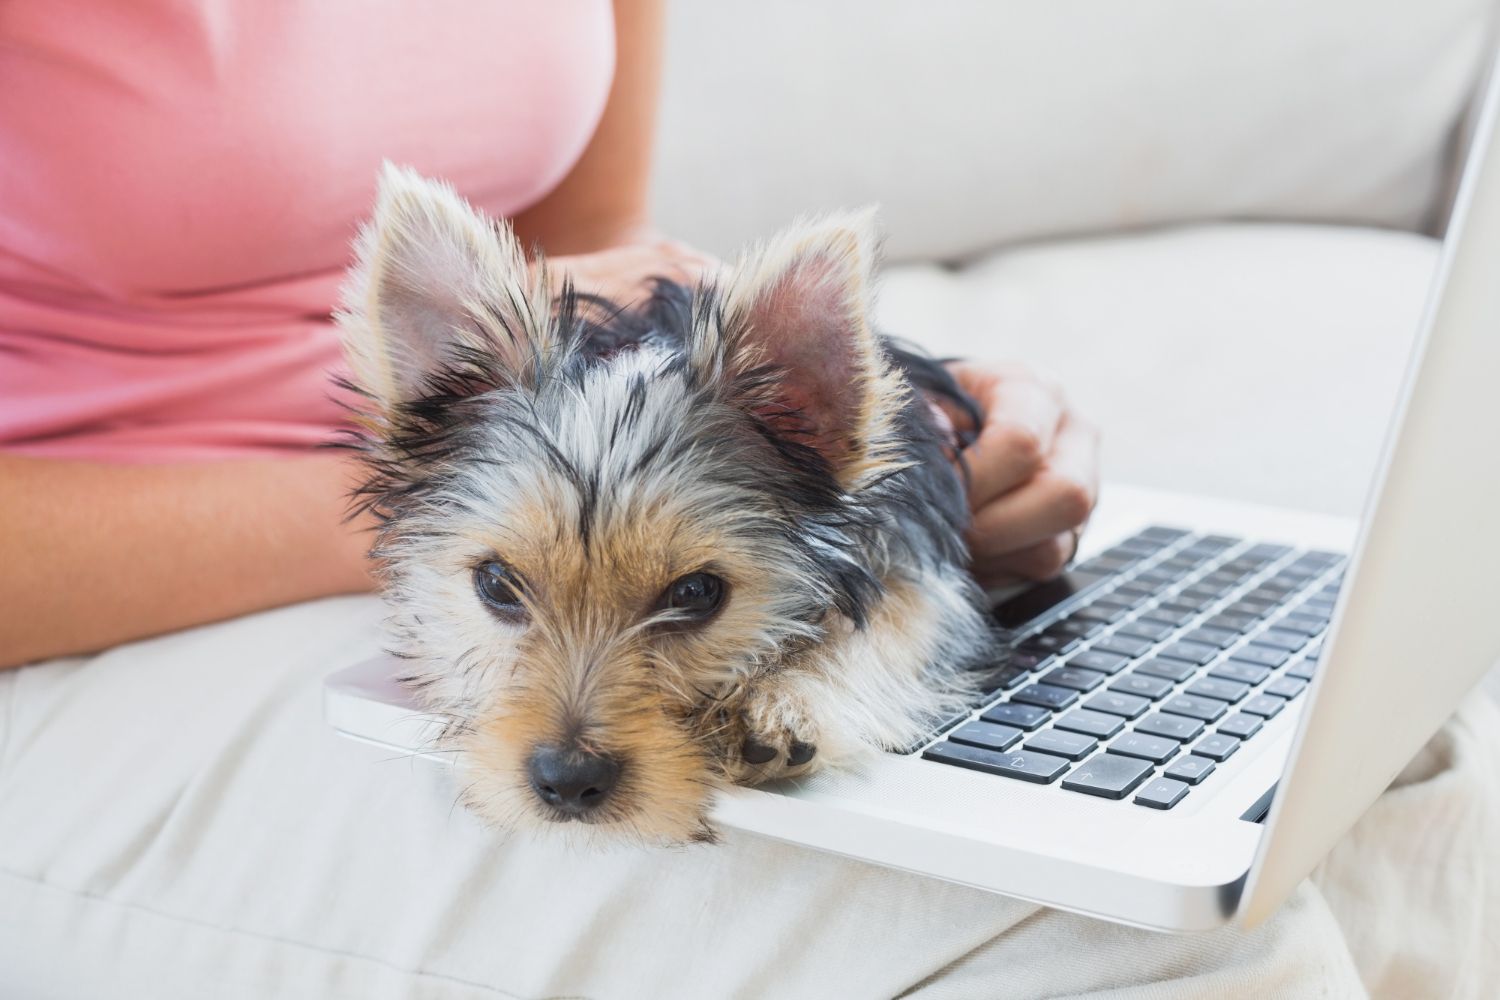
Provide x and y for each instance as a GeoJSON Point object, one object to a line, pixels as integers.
{"type": "Point", "coordinates": [165, 149]}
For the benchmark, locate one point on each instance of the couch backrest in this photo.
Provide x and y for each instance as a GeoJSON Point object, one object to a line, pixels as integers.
{"type": "Point", "coordinates": [981, 122]}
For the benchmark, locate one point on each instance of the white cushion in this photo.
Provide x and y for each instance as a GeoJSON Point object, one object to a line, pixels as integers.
{"type": "Point", "coordinates": [1258, 362]}
{"type": "Point", "coordinates": [981, 122]}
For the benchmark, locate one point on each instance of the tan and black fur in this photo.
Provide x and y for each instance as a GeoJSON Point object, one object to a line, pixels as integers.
{"type": "Point", "coordinates": [753, 430]}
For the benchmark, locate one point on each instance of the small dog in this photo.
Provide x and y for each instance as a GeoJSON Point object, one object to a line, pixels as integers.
{"type": "Point", "coordinates": [636, 554]}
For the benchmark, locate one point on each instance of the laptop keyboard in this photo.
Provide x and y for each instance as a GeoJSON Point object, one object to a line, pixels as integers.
{"type": "Point", "coordinates": [1135, 673]}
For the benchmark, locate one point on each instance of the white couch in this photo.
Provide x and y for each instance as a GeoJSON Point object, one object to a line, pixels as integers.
{"type": "Point", "coordinates": [1212, 219]}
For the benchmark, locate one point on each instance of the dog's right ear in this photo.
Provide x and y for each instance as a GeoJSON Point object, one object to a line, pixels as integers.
{"type": "Point", "coordinates": [435, 285]}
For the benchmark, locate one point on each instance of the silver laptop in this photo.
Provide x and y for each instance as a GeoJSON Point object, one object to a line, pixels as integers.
{"type": "Point", "coordinates": [1192, 715]}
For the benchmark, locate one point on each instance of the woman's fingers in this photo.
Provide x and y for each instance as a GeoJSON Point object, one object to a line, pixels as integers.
{"type": "Point", "coordinates": [1028, 531]}
{"type": "Point", "coordinates": [625, 273]}
{"type": "Point", "coordinates": [1041, 561]}
{"type": "Point", "coordinates": [1022, 414]}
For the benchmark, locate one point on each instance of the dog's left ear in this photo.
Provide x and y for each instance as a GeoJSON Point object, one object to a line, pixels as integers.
{"type": "Point", "coordinates": [800, 303]}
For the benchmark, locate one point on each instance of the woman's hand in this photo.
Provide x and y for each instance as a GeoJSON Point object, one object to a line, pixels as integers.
{"type": "Point", "coordinates": [1034, 474]}
{"type": "Point", "coordinates": [623, 273]}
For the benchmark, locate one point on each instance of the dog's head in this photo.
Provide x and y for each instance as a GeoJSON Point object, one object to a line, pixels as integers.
{"type": "Point", "coordinates": [590, 554]}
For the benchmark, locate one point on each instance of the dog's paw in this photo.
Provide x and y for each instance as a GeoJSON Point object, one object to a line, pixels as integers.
{"type": "Point", "coordinates": [771, 735]}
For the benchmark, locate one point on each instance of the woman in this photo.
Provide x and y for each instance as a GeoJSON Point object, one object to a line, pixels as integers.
{"type": "Point", "coordinates": [171, 246]}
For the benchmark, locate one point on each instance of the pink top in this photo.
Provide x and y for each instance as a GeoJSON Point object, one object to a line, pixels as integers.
{"type": "Point", "coordinates": [180, 181]}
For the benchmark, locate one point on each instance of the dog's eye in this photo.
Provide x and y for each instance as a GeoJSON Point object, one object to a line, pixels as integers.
{"type": "Point", "coordinates": [497, 588]}
{"type": "Point", "coordinates": [699, 594]}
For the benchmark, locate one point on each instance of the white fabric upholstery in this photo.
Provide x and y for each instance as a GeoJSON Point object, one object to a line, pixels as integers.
{"type": "Point", "coordinates": [1258, 362]}
{"type": "Point", "coordinates": [176, 822]}
{"type": "Point", "coordinates": [982, 122]}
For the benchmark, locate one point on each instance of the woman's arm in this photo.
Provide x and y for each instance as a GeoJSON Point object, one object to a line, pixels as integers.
{"type": "Point", "coordinates": [92, 555]}
{"type": "Point", "coordinates": [603, 200]}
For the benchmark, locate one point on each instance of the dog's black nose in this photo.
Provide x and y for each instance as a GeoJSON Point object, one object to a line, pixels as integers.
{"type": "Point", "coordinates": [572, 780]}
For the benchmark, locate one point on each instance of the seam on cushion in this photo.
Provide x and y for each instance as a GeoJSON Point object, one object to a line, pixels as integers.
{"type": "Point", "coordinates": [99, 899]}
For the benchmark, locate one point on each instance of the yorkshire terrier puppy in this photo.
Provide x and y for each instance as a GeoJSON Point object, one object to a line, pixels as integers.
{"type": "Point", "coordinates": [638, 551]}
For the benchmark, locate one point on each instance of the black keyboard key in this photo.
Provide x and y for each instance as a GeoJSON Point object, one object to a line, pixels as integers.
{"type": "Point", "coordinates": [1197, 597]}
{"type": "Point", "coordinates": [1147, 747]}
{"type": "Point", "coordinates": [1045, 695]}
{"type": "Point", "coordinates": [1168, 616]}
{"type": "Point", "coordinates": [1194, 707]}
{"type": "Point", "coordinates": [1191, 769]}
{"type": "Point", "coordinates": [1196, 653]}
{"type": "Point", "coordinates": [1000, 678]}
{"type": "Point", "coordinates": [1228, 574]}
{"type": "Point", "coordinates": [1108, 775]}
{"type": "Point", "coordinates": [1142, 685]}
{"type": "Point", "coordinates": [1104, 564]}
{"type": "Point", "coordinates": [1152, 631]}
{"type": "Point", "coordinates": [1173, 727]}
{"type": "Point", "coordinates": [1093, 659]}
{"type": "Point", "coordinates": [1302, 670]}
{"type": "Point", "coordinates": [1231, 622]}
{"type": "Point", "coordinates": [1241, 726]}
{"type": "Point", "coordinates": [1074, 677]}
{"type": "Point", "coordinates": [1261, 656]}
{"type": "Point", "coordinates": [1267, 552]}
{"type": "Point", "coordinates": [1236, 669]}
{"type": "Point", "coordinates": [1123, 645]}
{"type": "Point", "coordinates": [1208, 635]}
{"type": "Point", "coordinates": [1161, 793]}
{"type": "Point", "coordinates": [1286, 687]}
{"type": "Point", "coordinates": [952, 720]}
{"type": "Point", "coordinates": [1172, 670]}
{"type": "Point", "coordinates": [1027, 607]}
{"type": "Point", "coordinates": [1027, 661]}
{"type": "Point", "coordinates": [1257, 606]}
{"type": "Point", "coordinates": [1216, 746]}
{"type": "Point", "coordinates": [1132, 548]}
{"type": "Point", "coordinates": [1123, 601]}
{"type": "Point", "coordinates": [987, 735]}
{"type": "Point", "coordinates": [1220, 542]}
{"type": "Point", "coordinates": [1080, 628]}
{"type": "Point", "coordinates": [1136, 588]}
{"type": "Point", "coordinates": [1267, 705]}
{"type": "Point", "coordinates": [1164, 534]}
{"type": "Point", "coordinates": [1115, 703]}
{"type": "Point", "coordinates": [1050, 645]}
{"type": "Point", "coordinates": [1098, 724]}
{"type": "Point", "coordinates": [1143, 547]}
{"type": "Point", "coordinates": [1285, 639]}
{"type": "Point", "coordinates": [1106, 616]}
{"type": "Point", "coordinates": [1308, 625]}
{"type": "Point", "coordinates": [1217, 687]}
{"type": "Point", "coordinates": [1021, 716]}
{"type": "Point", "coordinates": [1039, 768]}
{"type": "Point", "coordinates": [1074, 746]}
{"type": "Point", "coordinates": [1161, 576]}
